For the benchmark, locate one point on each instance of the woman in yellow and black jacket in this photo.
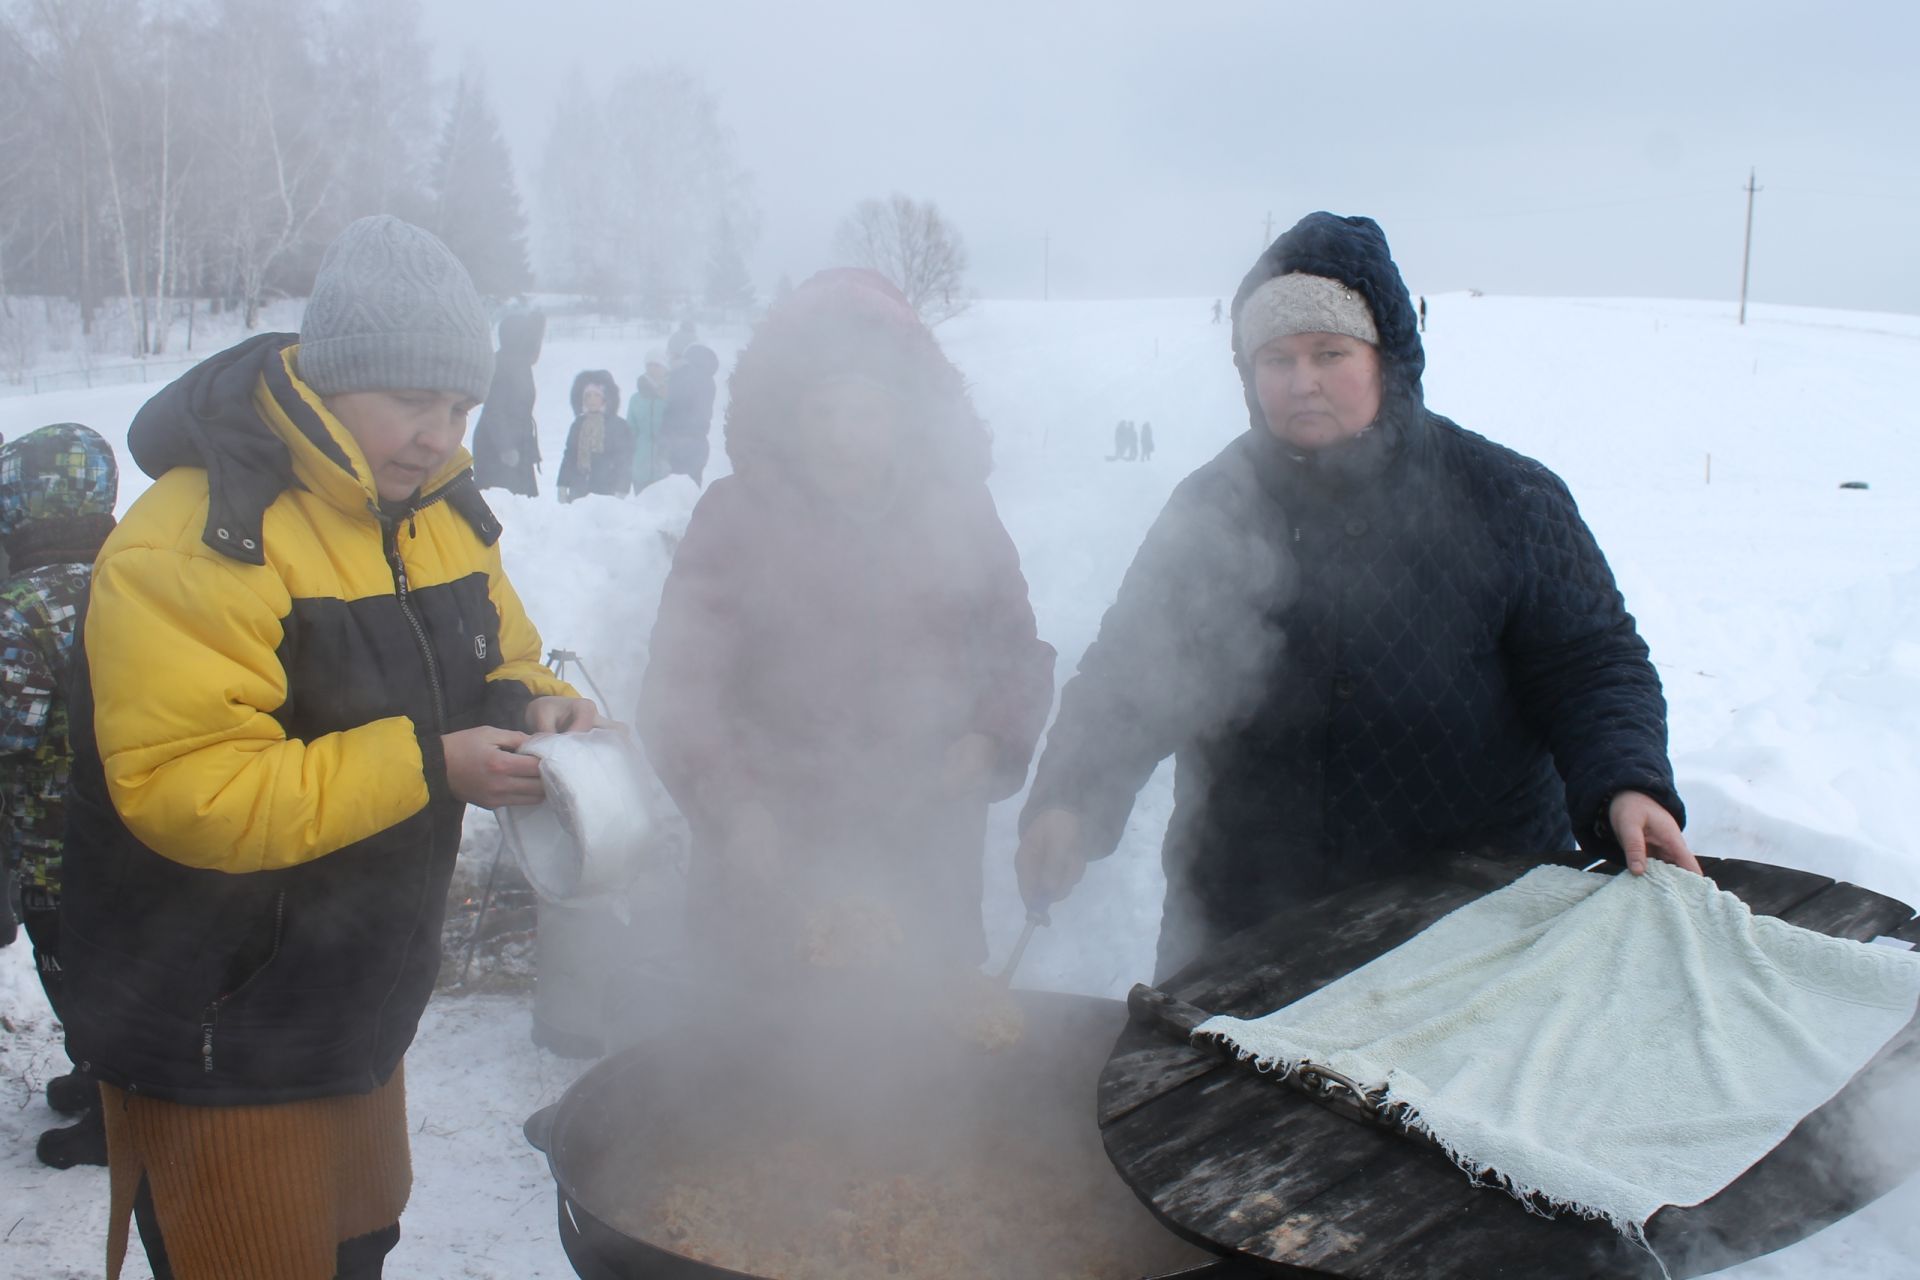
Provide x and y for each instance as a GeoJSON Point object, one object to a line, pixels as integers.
{"type": "Point", "coordinates": [302, 661]}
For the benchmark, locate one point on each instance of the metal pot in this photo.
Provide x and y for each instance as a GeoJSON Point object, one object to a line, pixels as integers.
{"type": "Point", "coordinates": [620, 1132]}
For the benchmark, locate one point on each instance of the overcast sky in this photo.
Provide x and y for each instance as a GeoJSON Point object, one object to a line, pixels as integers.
{"type": "Point", "coordinates": [1542, 148]}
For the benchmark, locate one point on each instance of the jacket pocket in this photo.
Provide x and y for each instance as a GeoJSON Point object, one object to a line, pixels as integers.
{"type": "Point", "coordinates": [249, 963]}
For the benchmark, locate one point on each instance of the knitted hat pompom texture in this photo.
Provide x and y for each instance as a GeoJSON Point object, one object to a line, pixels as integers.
{"type": "Point", "coordinates": [394, 310]}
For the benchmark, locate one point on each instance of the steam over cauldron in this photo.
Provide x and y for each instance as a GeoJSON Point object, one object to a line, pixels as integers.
{"type": "Point", "coordinates": [850, 1143]}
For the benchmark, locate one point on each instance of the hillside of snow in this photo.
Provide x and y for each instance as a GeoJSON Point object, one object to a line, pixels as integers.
{"type": "Point", "coordinates": [1783, 612]}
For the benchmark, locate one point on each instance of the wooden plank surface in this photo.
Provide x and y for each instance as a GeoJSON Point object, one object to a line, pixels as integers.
{"type": "Point", "coordinates": [1143, 1067]}
{"type": "Point", "coordinates": [1847, 911]}
{"type": "Point", "coordinates": [1768, 890]}
{"type": "Point", "coordinates": [1231, 1160]}
{"type": "Point", "coordinates": [1194, 1146]}
{"type": "Point", "coordinates": [1299, 951]}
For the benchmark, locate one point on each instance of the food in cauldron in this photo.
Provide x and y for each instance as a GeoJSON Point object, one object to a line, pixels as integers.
{"type": "Point", "coordinates": [805, 1211]}
{"type": "Point", "coordinates": [985, 1013]}
{"type": "Point", "coordinates": [822, 1140]}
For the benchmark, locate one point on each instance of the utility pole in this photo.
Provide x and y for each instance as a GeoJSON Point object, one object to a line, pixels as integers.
{"type": "Point", "coordinates": [1046, 267]}
{"type": "Point", "coordinates": [1746, 252]}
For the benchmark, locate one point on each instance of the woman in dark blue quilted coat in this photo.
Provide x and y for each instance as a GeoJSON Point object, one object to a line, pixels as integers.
{"type": "Point", "coordinates": [1368, 637]}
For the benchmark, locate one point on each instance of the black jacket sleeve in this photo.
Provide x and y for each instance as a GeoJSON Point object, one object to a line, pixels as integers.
{"type": "Point", "coordinates": [1187, 643]}
{"type": "Point", "coordinates": [1579, 667]}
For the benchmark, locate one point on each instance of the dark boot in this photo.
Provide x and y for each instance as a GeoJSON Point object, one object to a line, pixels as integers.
{"type": "Point", "coordinates": [83, 1143]}
{"type": "Point", "coordinates": [72, 1093]}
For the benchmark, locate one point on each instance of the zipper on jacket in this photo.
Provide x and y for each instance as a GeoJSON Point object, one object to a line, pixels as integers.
{"type": "Point", "coordinates": [212, 1013]}
{"type": "Point", "coordinates": [391, 530]}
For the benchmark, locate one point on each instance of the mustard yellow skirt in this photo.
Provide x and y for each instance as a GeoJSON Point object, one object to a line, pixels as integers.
{"type": "Point", "coordinates": [258, 1192]}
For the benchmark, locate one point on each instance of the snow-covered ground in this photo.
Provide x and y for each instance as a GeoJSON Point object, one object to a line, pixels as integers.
{"type": "Point", "coordinates": [1784, 613]}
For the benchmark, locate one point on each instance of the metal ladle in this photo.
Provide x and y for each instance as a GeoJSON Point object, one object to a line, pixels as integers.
{"type": "Point", "coordinates": [1036, 916]}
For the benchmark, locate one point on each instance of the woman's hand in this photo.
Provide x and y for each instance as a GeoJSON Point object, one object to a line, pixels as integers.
{"type": "Point", "coordinates": [968, 768]}
{"type": "Point", "coordinates": [1051, 859]}
{"type": "Point", "coordinates": [1643, 826]}
{"type": "Point", "coordinates": [555, 714]}
{"type": "Point", "coordinates": [482, 768]}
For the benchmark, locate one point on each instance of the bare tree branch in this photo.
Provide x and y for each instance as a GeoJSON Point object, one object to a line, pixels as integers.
{"type": "Point", "coordinates": [910, 244]}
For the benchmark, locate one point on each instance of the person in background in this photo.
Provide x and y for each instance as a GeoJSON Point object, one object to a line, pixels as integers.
{"type": "Point", "coordinates": [645, 412]}
{"type": "Point", "coordinates": [1216, 311]}
{"type": "Point", "coordinates": [506, 443]}
{"type": "Point", "coordinates": [845, 670]}
{"type": "Point", "coordinates": [1146, 442]}
{"type": "Point", "coordinates": [680, 341]}
{"type": "Point", "coordinates": [303, 661]}
{"type": "Point", "coordinates": [599, 453]}
{"type": "Point", "coordinates": [1423, 313]}
{"type": "Point", "coordinates": [1126, 442]}
{"type": "Point", "coordinates": [57, 490]}
{"type": "Point", "coordinates": [686, 425]}
{"type": "Point", "coordinates": [1368, 637]}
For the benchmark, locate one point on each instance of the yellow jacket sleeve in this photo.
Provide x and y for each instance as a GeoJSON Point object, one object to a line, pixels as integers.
{"type": "Point", "coordinates": [181, 650]}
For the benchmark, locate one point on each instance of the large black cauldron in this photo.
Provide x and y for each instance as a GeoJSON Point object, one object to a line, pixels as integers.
{"type": "Point", "coordinates": [614, 1138]}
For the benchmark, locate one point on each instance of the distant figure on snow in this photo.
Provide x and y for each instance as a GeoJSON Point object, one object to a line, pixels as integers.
{"type": "Point", "coordinates": [1423, 313]}
{"type": "Point", "coordinates": [682, 438]}
{"type": "Point", "coordinates": [681, 341]}
{"type": "Point", "coordinates": [1126, 442]}
{"type": "Point", "coordinates": [599, 454]}
{"type": "Point", "coordinates": [1146, 442]}
{"type": "Point", "coordinates": [644, 414]}
{"type": "Point", "coordinates": [1216, 311]}
{"type": "Point", "coordinates": [506, 444]}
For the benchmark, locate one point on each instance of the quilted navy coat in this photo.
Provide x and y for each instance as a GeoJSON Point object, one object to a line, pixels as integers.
{"type": "Point", "coordinates": [1401, 646]}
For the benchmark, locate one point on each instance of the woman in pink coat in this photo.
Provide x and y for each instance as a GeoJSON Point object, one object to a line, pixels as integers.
{"type": "Point", "coordinates": [845, 671]}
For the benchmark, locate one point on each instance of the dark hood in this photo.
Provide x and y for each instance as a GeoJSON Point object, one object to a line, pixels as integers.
{"type": "Point", "coordinates": [586, 379]}
{"type": "Point", "coordinates": [206, 418]}
{"type": "Point", "coordinates": [1352, 250]}
{"type": "Point", "coordinates": [521, 337]}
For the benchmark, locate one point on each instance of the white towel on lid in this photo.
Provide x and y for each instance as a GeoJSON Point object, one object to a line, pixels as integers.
{"type": "Point", "coordinates": [1609, 1045]}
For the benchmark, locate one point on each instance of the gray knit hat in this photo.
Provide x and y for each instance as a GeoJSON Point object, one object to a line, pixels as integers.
{"type": "Point", "coordinates": [393, 310]}
{"type": "Point", "coordinates": [1300, 303]}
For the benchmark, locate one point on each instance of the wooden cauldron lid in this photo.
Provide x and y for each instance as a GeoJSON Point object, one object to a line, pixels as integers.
{"type": "Point", "coordinates": [1237, 1163]}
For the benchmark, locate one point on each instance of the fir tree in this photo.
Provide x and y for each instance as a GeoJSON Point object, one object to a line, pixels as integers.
{"type": "Point", "coordinates": [477, 208]}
